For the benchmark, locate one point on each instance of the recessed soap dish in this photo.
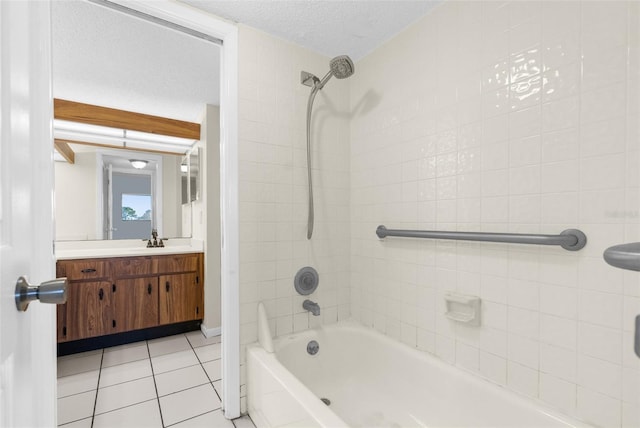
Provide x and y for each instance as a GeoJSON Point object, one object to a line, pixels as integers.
{"type": "Point", "coordinates": [462, 308]}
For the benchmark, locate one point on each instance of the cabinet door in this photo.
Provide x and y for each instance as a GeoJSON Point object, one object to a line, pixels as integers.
{"type": "Point", "coordinates": [181, 298]}
{"type": "Point", "coordinates": [135, 303]}
{"type": "Point", "coordinates": [61, 321]}
{"type": "Point", "coordinates": [88, 310]}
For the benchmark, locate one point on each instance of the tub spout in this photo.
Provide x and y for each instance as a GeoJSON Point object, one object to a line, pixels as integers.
{"type": "Point", "coordinates": [312, 307]}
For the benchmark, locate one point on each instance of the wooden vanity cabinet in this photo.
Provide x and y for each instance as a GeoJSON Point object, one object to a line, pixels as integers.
{"type": "Point", "coordinates": [95, 317]}
{"type": "Point", "coordinates": [135, 304]}
{"type": "Point", "coordinates": [117, 295]}
{"type": "Point", "coordinates": [178, 301]}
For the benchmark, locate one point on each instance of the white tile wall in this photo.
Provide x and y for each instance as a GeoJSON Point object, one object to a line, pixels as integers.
{"type": "Point", "coordinates": [273, 192]}
{"type": "Point", "coordinates": [517, 116]}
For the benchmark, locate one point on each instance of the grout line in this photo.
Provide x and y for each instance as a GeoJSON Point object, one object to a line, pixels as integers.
{"type": "Point", "coordinates": [124, 407]}
{"type": "Point", "coordinates": [175, 370]}
{"type": "Point", "coordinates": [193, 417]}
{"type": "Point", "coordinates": [233, 421]}
{"type": "Point", "coordinates": [155, 385]}
{"type": "Point", "coordinates": [186, 389]}
{"type": "Point", "coordinates": [126, 381]}
{"type": "Point", "coordinates": [95, 402]}
{"type": "Point", "coordinates": [205, 371]}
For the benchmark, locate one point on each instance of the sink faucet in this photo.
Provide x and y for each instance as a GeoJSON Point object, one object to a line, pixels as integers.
{"type": "Point", "coordinates": [154, 243]}
{"type": "Point", "coordinates": [312, 307]}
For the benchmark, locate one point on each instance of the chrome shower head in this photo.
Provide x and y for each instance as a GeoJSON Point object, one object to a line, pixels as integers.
{"type": "Point", "coordinates": [342, 67]}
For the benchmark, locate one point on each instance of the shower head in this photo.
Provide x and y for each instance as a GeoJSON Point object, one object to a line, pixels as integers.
{"type": "Point", "coordinates": [342, 67]}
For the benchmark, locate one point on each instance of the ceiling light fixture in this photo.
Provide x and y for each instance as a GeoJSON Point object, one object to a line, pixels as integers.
{"type": "Point", "coordinates": [138, 164]}
{"type": "Point", "coordinates": [73, 131]}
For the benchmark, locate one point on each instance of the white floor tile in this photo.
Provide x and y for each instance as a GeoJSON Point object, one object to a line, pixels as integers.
{"type": "Point", "coordinates": [188, 404]}
{"type": "Point", "coordinates": [125, 354]}
{"type": "Point", "coordinates": [82, 423]}
{"type": "Point", "coordinates": [213, 369]}
{"type": "Point", "coordinates": [168, 345]}
{"type": "Point", "coordinates": [77, 383]}
{"type": "Point", "coordinates": [208, 352]}
{"type": "Point", "coordinates": [125, 373]}
{"type": "Point", "coordinates": [181, 379]}
{"type": "Point", "coordinates": [79, 363]}
{"type": "Point", "coordinates": [76, 407]}
{"type": "Point", "coordinates": [213, 419]}
{"type": "Point", "coordinates": [125, 394]}
{"type": "Point", "coordinates": [197, 339]}
{"type": "Point", "coordinates": [146, 414]}
{"type": "Point", "coordinates": [80, 355]}
{"type": "Point", "coordinates": [243, 422]}
{"type": "Point", "coordinates": [177, 360]}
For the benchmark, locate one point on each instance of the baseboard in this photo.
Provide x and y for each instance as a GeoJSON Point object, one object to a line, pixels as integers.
{"type": "Point", "coordinates": [210, 332]}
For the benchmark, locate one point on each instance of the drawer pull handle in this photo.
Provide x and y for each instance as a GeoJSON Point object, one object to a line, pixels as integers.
{"type": "Point", "coordinates": [113, 288]}
{"type": "Point", "coordinates": [114, 323]}
{"type": "Point", "coordinates": [101, 294]}
{"type": "Point", "coordinates": [88, 270]}
{"type": "Point", "coordinates": [149, 288]}
{"type": "Point", "coordinates": [167, 286]}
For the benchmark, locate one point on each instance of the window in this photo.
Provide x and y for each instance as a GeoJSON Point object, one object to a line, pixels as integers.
{"type": "Point", "coordinates": [136, 207]}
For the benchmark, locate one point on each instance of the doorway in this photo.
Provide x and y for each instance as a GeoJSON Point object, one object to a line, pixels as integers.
{"type": "Point", "coordinates": [187, 18]}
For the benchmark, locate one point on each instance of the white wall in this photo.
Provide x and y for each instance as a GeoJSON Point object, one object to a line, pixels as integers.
{"type": "Point", "coordinates": [75, 198]}
{"type": "Point", "coordinates": [272, 187]}
{"type": "Point", "coordinates": [515, 116]}
{"type": "Point", "coordinates": [210, 137]}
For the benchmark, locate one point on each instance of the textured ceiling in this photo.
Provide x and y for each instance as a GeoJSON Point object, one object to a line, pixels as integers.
{"type": "Point", "coordinates": [330, 27]}
{"type": "Point", "coordinates": [104, 57]}
{"type": "Point", "coordinates": [107, 58]}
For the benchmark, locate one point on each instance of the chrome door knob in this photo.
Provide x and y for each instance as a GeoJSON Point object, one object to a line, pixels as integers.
{"type": "Point", "coordinates": [54, 292]}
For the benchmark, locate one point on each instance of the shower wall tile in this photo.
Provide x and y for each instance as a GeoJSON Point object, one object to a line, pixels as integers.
{"type": "Point", "coordinates": [272, 187]}
{"type": "Point", "coordinates": [514, 116]}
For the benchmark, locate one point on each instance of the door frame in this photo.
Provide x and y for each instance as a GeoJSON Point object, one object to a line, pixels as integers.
{"type": "Point", "coordinates": [191, 18]}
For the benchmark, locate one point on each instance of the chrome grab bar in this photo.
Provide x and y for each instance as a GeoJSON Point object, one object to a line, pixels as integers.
{"type": "Point", "coordinates": [570, 239]}
{"type": "Point", "coordinates": [624, 256]}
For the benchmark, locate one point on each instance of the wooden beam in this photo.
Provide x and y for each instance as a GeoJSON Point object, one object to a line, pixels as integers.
{"type": "Point", "coordinates": [110, 146]}
{"type": "Point", "coordinates": [104, 116]}
{"type": "Point", "coordinates": [67, 152]}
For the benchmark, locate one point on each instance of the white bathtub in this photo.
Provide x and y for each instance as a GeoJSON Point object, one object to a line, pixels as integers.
{"type": "Point", "coordinates": [374, 381]}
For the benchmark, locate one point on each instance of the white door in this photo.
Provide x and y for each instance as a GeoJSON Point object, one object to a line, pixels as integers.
{"type": "Point", "coordinates": [27, 339]}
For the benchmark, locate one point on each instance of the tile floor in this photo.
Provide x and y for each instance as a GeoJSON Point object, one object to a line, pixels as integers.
{"type": "Point", "coordinates": [168, 382]}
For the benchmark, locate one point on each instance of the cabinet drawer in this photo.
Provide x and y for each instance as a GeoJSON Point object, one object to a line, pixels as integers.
{"type": "Point", "coordinates": [83, 269]}
{"type": "Point", "coordinates": [132, 266]}
{"type": "Point", "coordinates": [178, 263]}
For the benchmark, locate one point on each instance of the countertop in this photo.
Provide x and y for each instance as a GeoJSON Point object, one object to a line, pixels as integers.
{"type": "Point", "coordinates": [67, 250]}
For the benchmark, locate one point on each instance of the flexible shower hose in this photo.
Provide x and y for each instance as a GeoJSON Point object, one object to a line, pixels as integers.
{"type": "Point", "coordinates": [310, 217]}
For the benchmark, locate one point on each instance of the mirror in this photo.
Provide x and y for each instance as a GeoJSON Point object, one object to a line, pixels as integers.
{"type": "Point", "coordinates": [103, 57]}
{"type": "Point", "coordinates": [103, 196]}
{"type": "Point", "coordinates": [190, 172]}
